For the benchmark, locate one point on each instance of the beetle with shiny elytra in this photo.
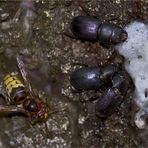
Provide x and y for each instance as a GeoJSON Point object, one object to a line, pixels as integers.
{"type": "Point", "coordinates": [114, 81]}
{"type": "Point", "coordinates": [89, 28]}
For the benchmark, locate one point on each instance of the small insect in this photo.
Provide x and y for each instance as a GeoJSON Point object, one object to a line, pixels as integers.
{"type": "Point", "coordinates": [91, 78]}
{"type": "Point", "coordinates": [114, 95]}
{"type": "Point", "coordinates": [88, 28]}
{"type": "Point", "coordinates": [114, 81]}
{"type": "Point", "coordinates": [21, 97]}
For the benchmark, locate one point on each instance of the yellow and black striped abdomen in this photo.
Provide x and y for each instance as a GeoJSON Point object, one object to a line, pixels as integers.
{"type": "Point", "coordinates": [15, 89]}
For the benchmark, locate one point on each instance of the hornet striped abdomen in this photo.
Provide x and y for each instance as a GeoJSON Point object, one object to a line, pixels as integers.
{"type": "Point", "coordinates": [15, 89]}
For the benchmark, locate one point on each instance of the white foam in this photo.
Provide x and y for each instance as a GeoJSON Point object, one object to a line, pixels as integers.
{"type": "Point", "coordinates": [135, 51]}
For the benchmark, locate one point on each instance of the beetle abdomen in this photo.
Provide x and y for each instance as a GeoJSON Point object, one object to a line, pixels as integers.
{"type": "Point", "coordinates": [85, 27]}
{"type": "Point", "coordinates": [87, 78]}
{"type": "Point", "coordinates": [113, 96]}
{"type": "Point", "coordinates": [108, 102]}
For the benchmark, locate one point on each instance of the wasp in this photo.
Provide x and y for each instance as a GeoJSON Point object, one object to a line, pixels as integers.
{"type": "Point", "coordinates": [21, 98]}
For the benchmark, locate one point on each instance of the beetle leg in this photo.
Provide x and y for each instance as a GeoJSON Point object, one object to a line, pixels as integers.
{"type": "Point", "coordinates": [68, 33]}
{"type": "Point", "coordinates": [112, 19]}
{"type": "Point", "coordinates": [77, 91]}
{"type": "Point", "coordinates": [84, 9]}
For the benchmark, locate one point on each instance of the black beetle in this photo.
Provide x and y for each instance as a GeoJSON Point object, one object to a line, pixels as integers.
{"type": "Point", "coordinates": [113, 96]}
{"type": "Point", "coordinates": [91, 78]}
{"type": "Point", "coordinates": [114, 81]}
{"type": "Point", "coordinates": [89, 28]}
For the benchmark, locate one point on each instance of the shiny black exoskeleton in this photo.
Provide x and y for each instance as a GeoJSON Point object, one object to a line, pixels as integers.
{"type": "Point", "coordinates": [91, 78]}
{"type": "Point", "coordinates": [89, 28]}
{"type": "Point", "coordinates": [116, 83]}
{"type": "Point", "coordinates": [114, 95]}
